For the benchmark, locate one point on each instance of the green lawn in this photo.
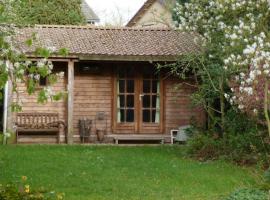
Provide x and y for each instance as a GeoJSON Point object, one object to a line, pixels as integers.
{"type": "Point", "coordinates": [108, 172]}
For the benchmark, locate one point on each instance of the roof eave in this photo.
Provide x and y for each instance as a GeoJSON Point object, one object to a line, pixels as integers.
{"type": "Point", "coordinates": [134, 58]}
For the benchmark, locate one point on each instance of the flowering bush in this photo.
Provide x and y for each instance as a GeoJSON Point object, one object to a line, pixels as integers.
{"type": "Point", "coordinates": [234, 34]}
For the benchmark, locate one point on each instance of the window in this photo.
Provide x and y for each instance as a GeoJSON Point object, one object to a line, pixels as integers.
{"type": "Point", "coordinates": [43, 81]}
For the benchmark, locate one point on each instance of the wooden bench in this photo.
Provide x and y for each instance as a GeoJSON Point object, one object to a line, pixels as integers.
{"type": "Point", "coordinates": [38, 123]}
{"type": "Point", "coordinates": [139, 137]}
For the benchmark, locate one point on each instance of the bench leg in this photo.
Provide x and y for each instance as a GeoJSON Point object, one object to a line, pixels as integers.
{"type": "Point", "coordinates": [17, 135]}
{"type": "Point", "coordinates": [162, 141]}
{"type": "Point", "coordinates": [58, 138]}
{"type": "Point", "coordinates": [116, 141]}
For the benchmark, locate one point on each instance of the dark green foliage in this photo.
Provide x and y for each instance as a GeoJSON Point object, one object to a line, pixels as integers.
{"type": "Point", "coordinates": [18, 192]}
{"type": "Point", "coordinates": [248, 194]}
{"type": "Point", "coordinates": [204, 147]}
{"type": "Point", "coordinates": [47, 12]}
{"type": "Point", "coordinates": [244, 142]}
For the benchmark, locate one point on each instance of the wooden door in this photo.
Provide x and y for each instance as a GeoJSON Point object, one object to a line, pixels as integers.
{"type": "Point", "coordinates": [125, 101]}
{"type": "Point", "coordinates": [150, 103]}
{"type": "Point", "coordinates": [138, 102]}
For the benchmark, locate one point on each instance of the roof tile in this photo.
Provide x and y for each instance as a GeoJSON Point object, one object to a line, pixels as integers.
{"type": "Point", "coordinates": [85, 40]}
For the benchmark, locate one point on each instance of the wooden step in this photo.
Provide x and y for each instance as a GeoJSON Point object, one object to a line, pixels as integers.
{"type": "Point", "coordinates": [139, 137]}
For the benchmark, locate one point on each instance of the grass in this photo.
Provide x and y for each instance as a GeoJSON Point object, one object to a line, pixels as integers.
{"type": "Point", "coordinates": [110, 172]}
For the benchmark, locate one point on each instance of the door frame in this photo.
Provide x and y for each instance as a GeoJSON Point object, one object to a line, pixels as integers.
{"type": "Point", "coordinates": [135, 127]}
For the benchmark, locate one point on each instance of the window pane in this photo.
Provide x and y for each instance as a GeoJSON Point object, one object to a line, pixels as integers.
{"type": "Point", "coordinates": [43, 81]}
{"type": "Point", "coordinates": [121, 86]}
{"type": "Point", "coordinates": [122, 101]}
{"type": "Point", "coordinates": [154, 86]}
{"type": "Point", "coordinates": [154, 101]}
{"type": "Point", "coordinates": [130, 115]}
{"type": "Point", "coordinates": [146, 115]}
{"type": "Point", "coordinates": [130, 86]}
{"type": "Point", "coordinates": [130, 101]}
{"type": "Point", "coordinates": [146, 101]}
{"type": "Point", "coordinates": [122, 115]}
{"type": "Point", "coordinates": [146, 86]}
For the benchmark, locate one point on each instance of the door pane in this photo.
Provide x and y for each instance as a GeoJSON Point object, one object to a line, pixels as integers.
{"type": "Point", "coordinates": [130, 115]}
{"type": "Point", "coordinates": [130, 101]}
{"type": "Point", "coordinates": [122, 115]}
{"type": "Point", "coordinates": [130, 86]}
{"type": "Point", "coordinates": [146, 86]}
{"type": "Point", "coordinates": [154, 86]}
{"type": "Point", "coordinates": [122, 101]}
{"type": "Point", "coordinates": [154, 101]}
{"type": "Point", "coordinates": [121, 86]}
{"type": "Point", "coordinates": [153, 116]}
{"type": "Point", "coordinates": [146, 115]}
{"type": "Point", "coordinates": [146, 101]}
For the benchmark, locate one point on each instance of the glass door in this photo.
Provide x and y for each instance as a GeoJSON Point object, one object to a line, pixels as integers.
{"type": "Point", "coordinates": [137, 101]}
{"type": "Point", "coordinates": [125, 116]}
{"type": "Point", "coordinates": [150, 104]}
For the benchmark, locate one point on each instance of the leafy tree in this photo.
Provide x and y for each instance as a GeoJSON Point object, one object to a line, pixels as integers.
{"type": "Point", "coordinates": [45, 12]}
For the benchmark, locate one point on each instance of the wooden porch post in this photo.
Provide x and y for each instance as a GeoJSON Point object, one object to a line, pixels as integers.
{"type": "Point", "coordinates": [70, 101]}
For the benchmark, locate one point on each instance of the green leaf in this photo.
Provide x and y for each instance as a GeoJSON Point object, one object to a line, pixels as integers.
{"type": "Point", "coordinates": [42, 52]}
{"type": "Point", "coordinates": [29, 42]}
{"type": "Point", "coordinates": [63, 52]}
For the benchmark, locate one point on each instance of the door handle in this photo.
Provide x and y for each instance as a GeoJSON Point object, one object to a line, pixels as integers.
{"type": "Point", "coordinates": [141, 96]}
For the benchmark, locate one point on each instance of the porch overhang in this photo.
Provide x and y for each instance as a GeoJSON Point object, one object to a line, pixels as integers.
{"type": "Point", "coordinates": [128, 58]}
{"type": "Point", "coordinates": [120, 58]}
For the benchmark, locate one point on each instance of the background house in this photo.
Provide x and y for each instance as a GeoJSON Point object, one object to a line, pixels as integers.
{"type": "Point", "coordinates": [154, 14]}
{"type": "Point", "coordinates": [90, 16]}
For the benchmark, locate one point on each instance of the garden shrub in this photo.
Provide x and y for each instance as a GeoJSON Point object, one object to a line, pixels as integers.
{"type": "Point", "coordinates": [204, 147]}
{"type": "Point", "coordinates": [248, 194]}
{"type": "Point", "coordinates": [243, 141]}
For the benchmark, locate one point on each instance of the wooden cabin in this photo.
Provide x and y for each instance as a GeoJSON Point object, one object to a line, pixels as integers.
{"type": "Point", "coordinates": [113, 71]}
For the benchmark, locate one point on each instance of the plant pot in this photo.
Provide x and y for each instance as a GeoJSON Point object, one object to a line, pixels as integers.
{"type": "Point", "coordinates": [100, 135]}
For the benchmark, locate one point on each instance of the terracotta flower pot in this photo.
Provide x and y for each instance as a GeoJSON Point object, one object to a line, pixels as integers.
{"type": "Point", "coordinates": [100, 135]}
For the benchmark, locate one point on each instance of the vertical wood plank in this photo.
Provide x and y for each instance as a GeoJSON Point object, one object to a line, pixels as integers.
{"type": "Point", "coordinates": [70, 130]}
{"type": "Point", "coordinates": [162, 105]}
{"type": "Point", "coordinates": [113, 100]}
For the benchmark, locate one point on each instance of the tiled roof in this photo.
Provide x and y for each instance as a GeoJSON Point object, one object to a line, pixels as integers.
{"type": "Point", "coordinates": [88, 13]}
{"type": "Point", "coordinates": [89, 41]}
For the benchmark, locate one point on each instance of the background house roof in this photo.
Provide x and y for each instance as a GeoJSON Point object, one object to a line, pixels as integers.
{"type": "Point", "coordinates": [98, 41]}
{"type": "Point", "coordinates": [88, 13]}
{"type": "Point", "coordinates": [145, 7]}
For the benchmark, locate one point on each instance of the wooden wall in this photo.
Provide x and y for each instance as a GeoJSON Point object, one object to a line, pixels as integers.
{"type": "Point", "coordinates": [29, 103]}
{"type": "Point", "coordinates": [92, 94]}
{"type": "Point", "coordinates": [178, 108]}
